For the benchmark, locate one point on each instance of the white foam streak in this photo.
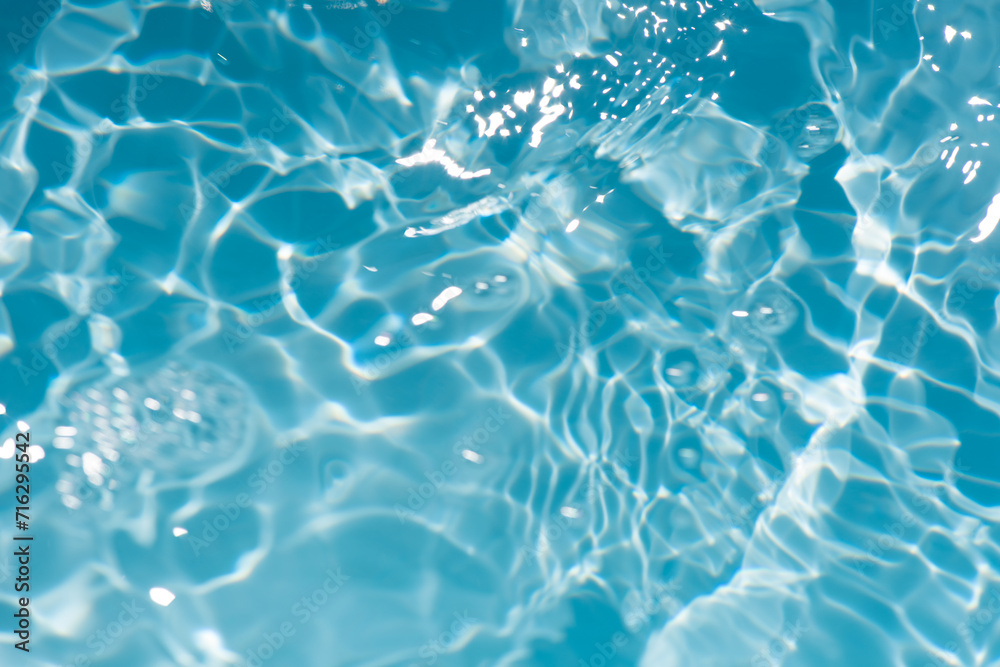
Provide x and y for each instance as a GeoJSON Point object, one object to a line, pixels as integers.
{"type": "Point", "coordinates": [989, 223]}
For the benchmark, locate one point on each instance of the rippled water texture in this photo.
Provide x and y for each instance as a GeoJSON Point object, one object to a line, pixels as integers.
{"type": "Point", "coordinates": [467, 333]}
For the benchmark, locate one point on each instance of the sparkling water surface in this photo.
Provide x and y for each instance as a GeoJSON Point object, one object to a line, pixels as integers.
{"type": "Point", "coordinates": [563, 333]}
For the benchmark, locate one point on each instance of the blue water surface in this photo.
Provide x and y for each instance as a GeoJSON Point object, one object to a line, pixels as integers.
{"type": "Point", "coordinates": [564, 333]}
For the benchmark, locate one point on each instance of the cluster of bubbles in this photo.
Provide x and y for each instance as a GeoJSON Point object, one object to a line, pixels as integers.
{"type": "Point", "coordinates": [173, 425]}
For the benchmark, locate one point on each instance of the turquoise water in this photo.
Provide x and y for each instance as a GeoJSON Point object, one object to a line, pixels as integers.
{"type": "Point", "coordinates": [476, 333]}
